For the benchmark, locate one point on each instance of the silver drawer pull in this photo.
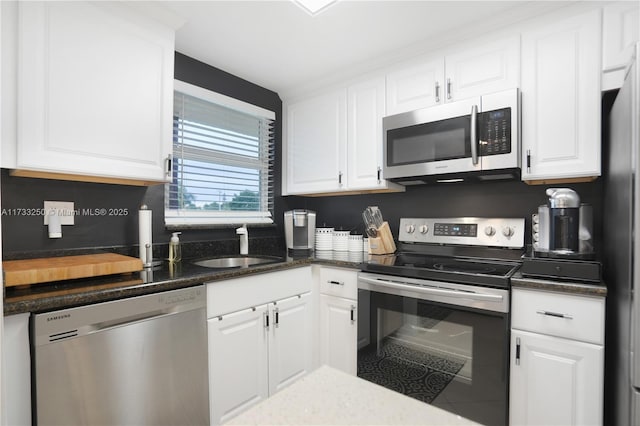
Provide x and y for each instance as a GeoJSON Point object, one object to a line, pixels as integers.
{"type": "Point", "coordinates": [554, 314]}
{"type": "Point", "coordinates": [336, 282]}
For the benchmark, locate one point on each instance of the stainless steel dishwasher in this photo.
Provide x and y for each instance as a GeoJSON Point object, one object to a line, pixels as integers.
{"type": "Point", "coordinates": [135, 361]}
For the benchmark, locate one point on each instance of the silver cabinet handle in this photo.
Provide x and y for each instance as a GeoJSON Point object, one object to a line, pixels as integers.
{"type": "Point", "coordinates": [276, 313]}
{"type": "Point", "coordinates": [353, 317]}
{"type": "Point", "coordinates": [473, 135]}
{"type": "Point", "coordinates": [529, 160]}
{"type": "Point", "coordinates": [448, 88]}
{"type": "Point", "coordinates": [437, 92]}
{"type": "Point", "coordinates": [265, 317]}
{"type": "Point", "coordinates": [335, 282]}
{"type": "Point", "coordinates": [340, 178]}
{"type": "Point", "coordinates": [379, 175]}
{"type": "Point", "coordinates": [554, 314]}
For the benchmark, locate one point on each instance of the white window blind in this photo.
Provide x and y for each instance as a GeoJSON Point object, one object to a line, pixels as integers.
{"type": "Point", "coordinates": [222, 160]}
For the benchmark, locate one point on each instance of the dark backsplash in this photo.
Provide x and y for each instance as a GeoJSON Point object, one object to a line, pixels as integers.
{"type": "Point", "coordinates": [488, 199]}
{"type": "Point", "coordinates": [23, 233]}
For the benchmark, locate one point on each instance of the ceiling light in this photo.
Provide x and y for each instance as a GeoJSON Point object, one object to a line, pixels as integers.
{"type": "Point", "coordinates": [314, 7]}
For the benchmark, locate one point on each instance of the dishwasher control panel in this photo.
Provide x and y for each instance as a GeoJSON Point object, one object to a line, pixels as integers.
{"type": "Point", "coordinates": [51, 327]}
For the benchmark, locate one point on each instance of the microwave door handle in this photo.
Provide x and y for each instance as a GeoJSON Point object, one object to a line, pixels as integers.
{"type": "Point", "coordinates": [474, 135]}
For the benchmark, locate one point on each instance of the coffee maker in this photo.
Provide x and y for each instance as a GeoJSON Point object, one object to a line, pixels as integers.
{"type": "Point", "coordinates": [300, 230]}
{"type": "Point", "coordinates": [564, 226]}
{"type": "Point", "coordinates": [562, 243]}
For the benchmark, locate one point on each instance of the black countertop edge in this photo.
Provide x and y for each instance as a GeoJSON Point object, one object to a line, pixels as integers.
{"type": "Point", "coordinates": [68, 295]}
{"type": "Point", "coordinates": [570, 287]}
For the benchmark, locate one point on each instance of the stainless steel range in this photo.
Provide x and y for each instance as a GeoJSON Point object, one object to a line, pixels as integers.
{"type": "Point", "coordinates": [434, 317]}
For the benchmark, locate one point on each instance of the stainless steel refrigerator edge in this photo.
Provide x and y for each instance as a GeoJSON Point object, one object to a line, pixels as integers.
{"type": "Point", "coordinates": [135, 361]}
{"type": "Point", "coordinates": [622, 254]}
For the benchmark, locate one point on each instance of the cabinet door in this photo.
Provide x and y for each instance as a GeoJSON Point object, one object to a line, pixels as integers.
{"type": "Point", "coordinates": [238, 363]}
{"type": "Point", "coordinates": [561, 99]}
{"type": "Point", "coordinates": [621, 30]}
{"type": "Point", "coordinates": [556, 381]}
{"type": "Point", "coordinates": [95, 91]}
{"type": "Point", "coordinates": [16, 371]}
{"type": "Point", "coordinates": [364, 134]}
{"type": "Point", "coordinates": [338, 333]}
{"type": "Point", "coordinates": [415, 86]}
{"type": "Point", "coordinates": [491, 67]}
{"type": "Point", "coordinates": [290, 345]}
{"type": "Point", "coordinates": [317, 144]}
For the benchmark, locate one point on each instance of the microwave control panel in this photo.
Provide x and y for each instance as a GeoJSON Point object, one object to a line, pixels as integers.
{"type": "Point", "coordinates": [495, 132]}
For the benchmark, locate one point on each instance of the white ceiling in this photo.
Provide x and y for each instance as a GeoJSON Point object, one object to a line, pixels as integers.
{"type": "Point", "coordinates": [277, 45]}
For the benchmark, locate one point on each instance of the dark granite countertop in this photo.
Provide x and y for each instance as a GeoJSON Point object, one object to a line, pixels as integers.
{"type": "Point", "coordinates": [66, 294]}
{"type": "Point", "coordinates": [573, 287]}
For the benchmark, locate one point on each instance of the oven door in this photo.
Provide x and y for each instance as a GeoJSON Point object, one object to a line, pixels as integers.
{"type": "Point", "coordinates": [442, 343]}
{"type": "Point", "coordinates": [431, 141]}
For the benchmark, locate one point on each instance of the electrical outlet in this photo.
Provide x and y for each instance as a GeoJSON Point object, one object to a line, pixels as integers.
{"type": "Point", "coordinates": [65, 211]}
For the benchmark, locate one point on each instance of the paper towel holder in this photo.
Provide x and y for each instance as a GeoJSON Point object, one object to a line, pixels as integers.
{"type": "Point", "coordinates": [55, 227]}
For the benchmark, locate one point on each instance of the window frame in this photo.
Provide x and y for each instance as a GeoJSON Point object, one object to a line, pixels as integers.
{"type": "Point", "coordinates": [189, 218]}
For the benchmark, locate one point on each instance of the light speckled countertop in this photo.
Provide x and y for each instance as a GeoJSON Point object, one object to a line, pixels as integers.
{"type": "Point", "coordinates": [330, 397]}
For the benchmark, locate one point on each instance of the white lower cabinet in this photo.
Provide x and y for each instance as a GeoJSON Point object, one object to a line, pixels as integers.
{"type": "Point", "coordinates": [260, 338]}
{"type": "Point", "coordinates": [556, 381]}
{"type": "Point", "coordinates": [557, 359]}
{"type": "Point", "coordinates": [16, 371]}
{"type": "Point", "coordinates": [338, 333]}
{"type": "Point", "coordinates": [339, 318]}
{"type": "Point", "coordinates": [290, 350]}
{"type": "Point", "coordinates": [238, 363]}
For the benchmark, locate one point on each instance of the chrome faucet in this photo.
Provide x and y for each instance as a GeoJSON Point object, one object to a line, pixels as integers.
{"type": "Point", "coordinates": [244, 239]}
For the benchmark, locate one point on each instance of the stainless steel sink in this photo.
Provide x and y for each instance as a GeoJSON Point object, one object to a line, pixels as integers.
{"type": "Point", "coordinates": [236, 261]}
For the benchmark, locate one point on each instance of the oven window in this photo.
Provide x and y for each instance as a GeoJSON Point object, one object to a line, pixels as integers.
{"type": "Point", "coordinates": [446, 356]}
{"type": "Point", "coordinates": [428, 142]}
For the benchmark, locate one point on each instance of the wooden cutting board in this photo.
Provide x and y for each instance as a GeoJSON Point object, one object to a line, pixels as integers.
{"type": "Point", "coordinates": [42, 270]}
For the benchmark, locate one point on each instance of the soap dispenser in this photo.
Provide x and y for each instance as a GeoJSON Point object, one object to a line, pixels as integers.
{"type": "Point", "coordinates": [175, 251]}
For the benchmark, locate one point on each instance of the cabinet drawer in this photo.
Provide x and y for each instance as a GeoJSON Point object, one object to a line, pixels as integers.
{"type": "Point", "coordinates": [339, 282]}
{"type": "Point", "coordinates": [557, 314]}
{"type": "Point", "coordinates": [236, 294]}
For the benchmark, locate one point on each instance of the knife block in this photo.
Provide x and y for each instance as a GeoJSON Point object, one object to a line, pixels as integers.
{"type": "Point", "coordinates": [383, 243]}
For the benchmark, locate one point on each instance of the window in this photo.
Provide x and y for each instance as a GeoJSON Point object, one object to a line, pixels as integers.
{"type": "Point", "coordinates": [222, 160]}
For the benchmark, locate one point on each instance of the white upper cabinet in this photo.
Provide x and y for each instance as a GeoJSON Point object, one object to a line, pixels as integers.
{"type": "Point", "coordinates": [415, 86]}
{"type": "Point", "coordinates": [365, 103]}
{"type": "Point", "coordinates": [317, 144]}
{"type": "Point", "coordinates": [560, 89]}
{"type": "Point", "coordinates": [485, 68]}
{"type": "Point", "coordinates": [95, 91]}
{"type": "Point", "coordinates": [334, 141]}
{"type": "Point", "coordinates": [621, 30]}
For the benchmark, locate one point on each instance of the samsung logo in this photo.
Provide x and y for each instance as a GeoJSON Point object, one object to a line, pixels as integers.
{"type": "Point", "coordinates": [58, 317]}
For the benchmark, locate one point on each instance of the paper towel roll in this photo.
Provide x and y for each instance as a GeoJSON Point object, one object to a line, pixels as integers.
{"type": "Point", "coordinates": [144, 233]}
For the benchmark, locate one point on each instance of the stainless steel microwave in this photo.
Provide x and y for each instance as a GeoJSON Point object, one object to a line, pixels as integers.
{"type": "Point", "coordinates": [473, 138]}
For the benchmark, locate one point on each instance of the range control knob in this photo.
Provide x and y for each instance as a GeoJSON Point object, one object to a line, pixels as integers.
{"type": "Point", "coordinates": [489, 231]}
{"type": "Point", "coordinates": [410, 229]}
{"type": "Point", "coordinates": [424, 229]}
{"type": "Point", "coordinates": [507, 231]}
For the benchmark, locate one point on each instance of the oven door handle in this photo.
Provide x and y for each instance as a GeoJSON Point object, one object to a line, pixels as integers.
{"type": "Point", "coordinates": [434, 291]}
